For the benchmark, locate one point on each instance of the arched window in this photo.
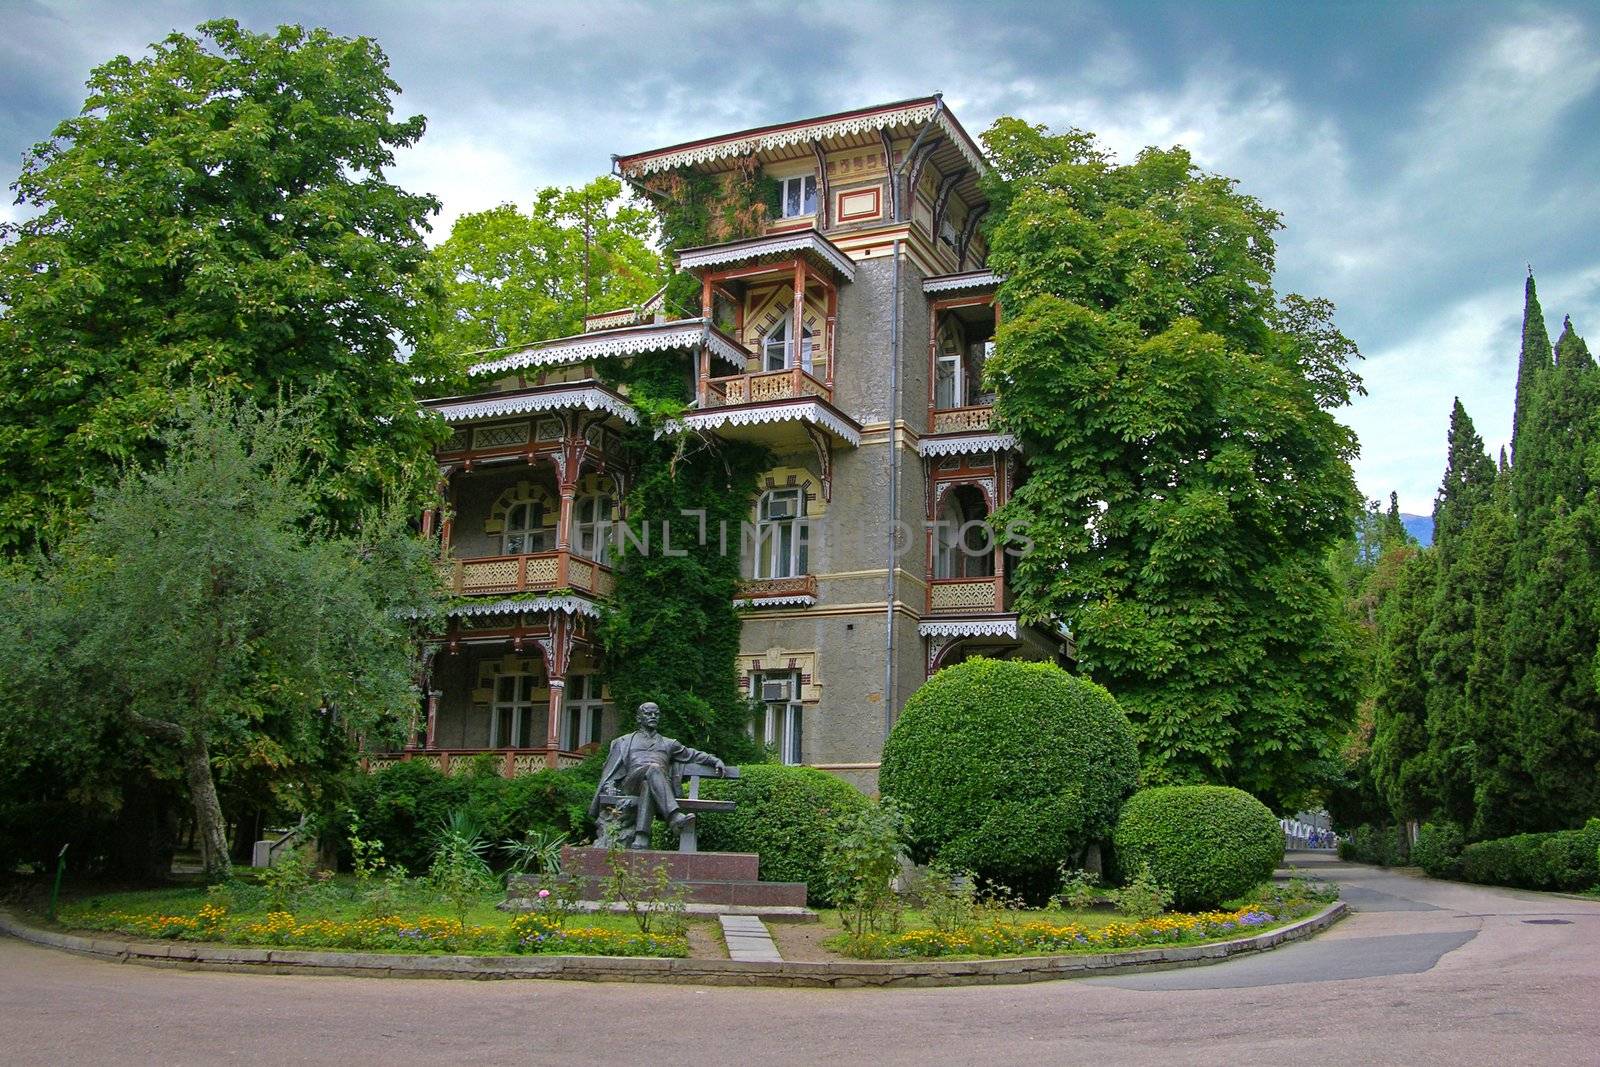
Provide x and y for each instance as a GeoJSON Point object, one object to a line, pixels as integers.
{"type": "Point", "coordinates": [965, 545]}
{"type": "Point", "coordinates": [781, 534]}
{"type": "Point", "coordinates": [593, 511]}
{"type": "Point", "coordinates": [525, 530]}
{"type": "Point", "coordinates": [778, 354]}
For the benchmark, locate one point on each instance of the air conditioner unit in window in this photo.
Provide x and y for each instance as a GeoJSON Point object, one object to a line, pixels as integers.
{"type": "Point", "coordinates": [773, 692]}
{"type": "Point", "coordinates": [781, 507]}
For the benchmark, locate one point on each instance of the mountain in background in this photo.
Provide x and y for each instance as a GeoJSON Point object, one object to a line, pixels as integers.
{"type": "Point", "coordinates": [1418, 526]}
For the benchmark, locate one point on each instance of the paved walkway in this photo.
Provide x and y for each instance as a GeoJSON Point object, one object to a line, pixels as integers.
{"type": "Point", "coordinates": [748, 939]}
{"type": "Point", "coordinates": [1424, 973]}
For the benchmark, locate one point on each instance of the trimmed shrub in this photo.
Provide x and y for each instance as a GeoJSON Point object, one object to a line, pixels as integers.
{"type": "Point", "coordinates": [1205, 843]}
{"type": "Point", "coordinates": [1008, 769]}
{"type": "Point", "coordinates": [784, 814]}
{"type": "Point", "coordinates": [1438, 849]}
{"type": "Point", "coordinates": [1565, 860]}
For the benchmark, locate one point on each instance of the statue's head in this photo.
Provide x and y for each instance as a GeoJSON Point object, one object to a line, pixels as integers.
{"type": "Point", "coordinates": [649, 715]}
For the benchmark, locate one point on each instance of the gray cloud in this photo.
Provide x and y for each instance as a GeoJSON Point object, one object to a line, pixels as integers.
{"type": "Point", "coordinates": [1421, 155]}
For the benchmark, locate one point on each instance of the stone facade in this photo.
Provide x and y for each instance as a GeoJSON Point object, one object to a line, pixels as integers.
{"type": "Point", "coordinates": [849, 417]}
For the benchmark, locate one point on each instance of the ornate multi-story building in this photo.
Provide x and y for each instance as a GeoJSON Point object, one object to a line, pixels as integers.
{"type": "Point", "coordinates": [867, 565]}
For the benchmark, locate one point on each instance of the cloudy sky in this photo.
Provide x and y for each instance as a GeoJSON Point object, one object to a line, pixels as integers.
{"type": "Point", "coordinates": [1422, 155]}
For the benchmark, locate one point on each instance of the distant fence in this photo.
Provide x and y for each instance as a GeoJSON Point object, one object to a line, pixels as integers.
{"type": "Point", "coordinates": [1297, 834]}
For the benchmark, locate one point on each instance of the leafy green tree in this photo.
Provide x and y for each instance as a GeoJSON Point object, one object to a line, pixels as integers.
{"type": "Point", "coordinates": [512, 278]}
{"type": "Point", "coordinates": [217, 215]}
{"type": "Point", "coordinates": [1187, 477]}
{"type": "Point", "coordinates": [1533, 360]}
{"type": "Point", "coordinates": [1400, 766]}
{"type": "Point", "coordinates": [200, 609]}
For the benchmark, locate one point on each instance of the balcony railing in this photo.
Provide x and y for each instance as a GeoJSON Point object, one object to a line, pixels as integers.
{"type": "Point", "coordinates": [791, 384]}
{"type": "Point", "coordinates": [962, 420]}
{"type": "Point", "coordinates": [510, 762]}
{"type": "Point", "coordinates": [965, 596]}
{"type": "Point", "coordinates": [767, 590]}
{"type": "Point", "coordinates": [527, 573]}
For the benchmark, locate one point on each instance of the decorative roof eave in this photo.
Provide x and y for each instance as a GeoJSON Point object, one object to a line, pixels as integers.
{"type": "Point", "coordinates": [585, 397]}
{"type": "Point", "coordinates": [966, 446]}
{"type": "Point", "coordinates": [628, 316]}
{"type": "Point", "coordinates": [626, 341]}
{"type": "Point", "coordinates": [566, 605]}
{"type": "Point", "coordinates": [955, 283]}
{"type": "Point", "coordinates": [808, 242]}
{"type": "Point", "coordinates": [798, 601]}
{"type": "Point", "coordinates": [906, 114]}
{"type": "Point", "coordinates": [1002, 627]}
{"type": "Point", "coordinates": [812, 411]}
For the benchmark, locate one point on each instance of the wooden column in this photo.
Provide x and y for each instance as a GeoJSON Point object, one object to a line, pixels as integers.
{"type": "Point", "coordinates": [558, 703]}
{"type": "Point", "coordinates": [797, 324]}
{"type": "Point", "coordinates": [433, 718]}
{"type": "Point", "coordinates": [448, 524]}
{"type": "Point", "coordinates": [833, 319]}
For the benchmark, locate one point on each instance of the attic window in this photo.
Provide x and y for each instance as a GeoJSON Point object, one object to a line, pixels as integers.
{"type": "Point", "coordinates": [799, 196]}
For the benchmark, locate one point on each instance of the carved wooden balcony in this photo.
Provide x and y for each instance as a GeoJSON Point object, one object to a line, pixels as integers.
{"type": "Point", "coordinates": [791, 384]}
{"type": "Point", "coordinates": [799, 591]}
{"type": "Point", "coordinates": [965, 596]}
{"type": "Point", "coordinates": [510, 762]}
{"type": "Point", "coordinates": [531, 572]}
{"type": "Point", "coordinates": [973, 419]}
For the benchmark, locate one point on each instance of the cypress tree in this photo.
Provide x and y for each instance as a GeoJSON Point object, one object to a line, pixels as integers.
{"type": "Point", "coordinates": [1445, 646]}
{"type": "Point", "coordinates": [1546, 765]}
{"type": "Point", "coordinates": [1534, 359]}
{"type": "Point", "coordinates": [1399, 759]}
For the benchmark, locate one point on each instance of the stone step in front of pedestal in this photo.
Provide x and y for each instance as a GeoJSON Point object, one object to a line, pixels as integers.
{"type": "Point", "coordinates": [681, 866]}
{"type": "Point", "coordinates": [750, 894]}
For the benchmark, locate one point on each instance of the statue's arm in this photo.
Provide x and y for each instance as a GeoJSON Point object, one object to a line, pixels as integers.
{"type": "Point", "coordinates": [682, 753]}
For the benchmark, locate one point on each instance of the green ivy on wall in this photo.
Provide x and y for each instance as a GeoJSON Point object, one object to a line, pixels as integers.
{"type": "Point", "coordinates": [697, 208]}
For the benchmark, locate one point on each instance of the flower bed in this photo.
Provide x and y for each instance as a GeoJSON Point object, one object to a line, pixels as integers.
{"type": "Point", "coordinates": [1041, 937]}
{"type": "Point", "coordinates": [392, 933]}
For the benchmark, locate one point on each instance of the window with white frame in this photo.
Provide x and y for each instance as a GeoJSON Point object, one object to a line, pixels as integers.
{"type": "Point", "coordinates": [519, 713]}
{"type": "Point", "coordinates": [964, 547]}
{"type": "Point", "coordinates": [780, 723]}
{"type": "Point", "coordinates": [525, 530]}
{"type": "Point", "coordinates": [594, 526]}
{"type": "Point", "coordinates": [582, 712]}
{"type": "Point", "coordinates": [781, 534]}
{"type": "Point", "coordinates": [799, 196]}
{"type": "Point", "coordinates": [778, 354]}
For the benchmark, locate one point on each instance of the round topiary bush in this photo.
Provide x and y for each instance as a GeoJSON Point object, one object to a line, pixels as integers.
{"type": "Point", "coordinates": [1206, 843]}
{"type": "Point", "coordinates": [1008, 769]}
{"type": "Point", "coordinates": [784, 814]}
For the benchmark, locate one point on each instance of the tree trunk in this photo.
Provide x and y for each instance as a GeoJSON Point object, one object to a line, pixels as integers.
{"type": "Point", "coordinates": [209, 827]}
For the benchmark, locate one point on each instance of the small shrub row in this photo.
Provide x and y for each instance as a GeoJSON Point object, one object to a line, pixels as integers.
{"type": "Point", "coordinates": [1562, 860]}
{"type": "Point", "coordinates": [1385, 846]}
{"type": "Point", "coordinates": [1041, 937]}
{"type": "Point", "coordinates": [391, 933]}
{"type": "Point", "coordinates": [1438, 849]}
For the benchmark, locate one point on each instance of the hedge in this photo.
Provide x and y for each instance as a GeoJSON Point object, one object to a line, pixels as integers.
{"type": "Point", "coordinates": [1438, 849]}
{"type": "Point", "coordinates": [1008, 769]}
{"type": "Point", "coordinates": [1565, 860]}
{"type": "Point", "coordinates": [404, 804]}
{"type": "Point", "coordinates": [1385, 846]}
{"type": "Point", "coordinates": [785, 814]}
{"type": "Point", "coordinates": [1205, 843]}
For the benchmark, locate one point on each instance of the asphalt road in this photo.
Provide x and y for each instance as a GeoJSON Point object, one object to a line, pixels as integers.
{"type": "Point", "coordinates": [1424, 973]}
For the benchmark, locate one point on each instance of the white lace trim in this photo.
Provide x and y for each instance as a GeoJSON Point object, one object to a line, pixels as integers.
{"type": "Point", "coordinates": [567, 605]}
{"type": "Point", "coordinates": [949, 283]}
{"type": "Point", "coordinates": [969, 628]}
{"type": "Point", "coordinates": [821, 130]}
{"type": "Point", "coordinates": [632, 340]}
{"type": "Point", "coordinates": [805, 411]}
{"type": "Point", "coordinates": [802, 601]}
{"type": "Point", "coordinates": [745, 251]}
{"type": "Point", "coordinates": [965, 446]}
{"type": "Point", "coordinates": [588, 398]}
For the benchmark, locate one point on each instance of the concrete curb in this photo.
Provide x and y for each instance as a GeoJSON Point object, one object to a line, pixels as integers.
{"type": "Point", "coordinates": [838, 974]}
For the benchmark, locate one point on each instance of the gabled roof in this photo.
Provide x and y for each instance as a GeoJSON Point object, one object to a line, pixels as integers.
{"type": "Point", "coordinates": [587, 396]}
{"type": "Point", "coordinates": [904, 115]}
{"type": "Point", "coordinates": [809, 243]}
{"type": "Point", "coordinates": [969, 281]}
{"type": "Point", "coordinates": [625, 341]}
